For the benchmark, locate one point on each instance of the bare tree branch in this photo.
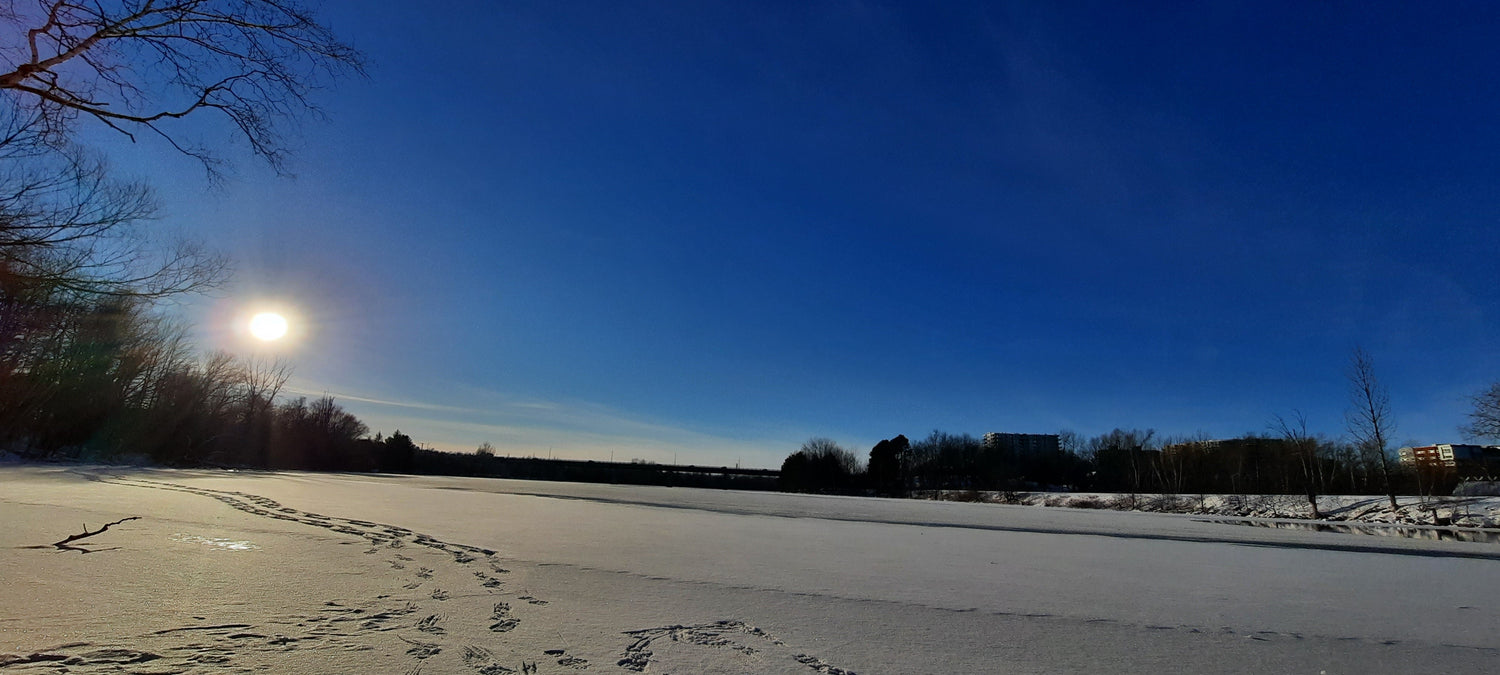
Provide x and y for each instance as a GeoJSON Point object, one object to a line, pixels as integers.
{"type": "Point", "coordinates": [66, 543]}
{"type": "Point", "coordinates": [65, 227]}
{"type": "Point", "coordinates": [1484, 421]}
{"type": "Point", "coordinates": [140, 64]}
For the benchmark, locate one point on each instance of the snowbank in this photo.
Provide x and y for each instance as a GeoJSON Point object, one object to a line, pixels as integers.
{"type": "Point", "coordinates": [1461, 511]}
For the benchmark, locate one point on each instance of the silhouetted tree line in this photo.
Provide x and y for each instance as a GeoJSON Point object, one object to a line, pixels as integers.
{"type": "Point", "coordinates": [1127, 461]}
{"type": "Point", "coordinates": [488, 465]}
{"type": "Point", "coordinates": [99, 377]}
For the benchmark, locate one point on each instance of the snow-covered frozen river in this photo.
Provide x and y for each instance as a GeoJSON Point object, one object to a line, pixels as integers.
{"type": "Point", "coordinates": [896, 586]}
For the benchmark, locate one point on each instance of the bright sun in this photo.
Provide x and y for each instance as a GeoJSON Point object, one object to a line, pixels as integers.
{"type": "Point", "coordinates": [268, 326]}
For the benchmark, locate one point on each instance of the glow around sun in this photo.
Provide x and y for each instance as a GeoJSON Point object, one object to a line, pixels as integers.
{"type": "Point", "coordinates": [268, 326]}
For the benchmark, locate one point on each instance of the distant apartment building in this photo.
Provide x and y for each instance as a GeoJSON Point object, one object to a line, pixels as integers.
{"type": "Point", "coordinates": [1021, 444]}
{"type": "Point", "coordinates": [1461, 458]}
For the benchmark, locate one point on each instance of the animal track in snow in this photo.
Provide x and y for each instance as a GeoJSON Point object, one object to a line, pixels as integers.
{"type": "Point", "coordinates": [340, 624]}
{"type": "Point", "coordinates": [422, 650]}
{"type": "Point", "coordinates": [563, 659]}
{"type": "Point", "coordinates": [719, 635]}
{"type": "Point", "coordinates": [429, 624]}
{"type": "Point", "coordinates": [503, 621]}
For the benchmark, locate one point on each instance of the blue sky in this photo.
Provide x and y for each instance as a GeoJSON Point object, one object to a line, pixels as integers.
{"type": "Point", "coordinates": [708, 231]}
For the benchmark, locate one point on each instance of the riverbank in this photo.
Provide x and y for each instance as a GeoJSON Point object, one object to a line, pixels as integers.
{"type": "Point", "coordinates": [1467, 512]}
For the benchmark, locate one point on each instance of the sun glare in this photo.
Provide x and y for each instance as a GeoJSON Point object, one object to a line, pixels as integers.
{"type": "Point", "coordinates": [268, 326]}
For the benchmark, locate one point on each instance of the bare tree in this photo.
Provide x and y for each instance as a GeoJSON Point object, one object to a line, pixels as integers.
{"type": "Point", "coordinates": [820, 465]}
{"type": "Point", "coordinates": [67, 229]}
{"type": "Point", "coordinates": [335, 421]}
{"type": "Point", "coordinates": [1171, 465]}
{"type": "Point", "coordinates": [138, 65]}
{"type": "Point", "coordinates": [1122, 455]}
{"type": "Point", "coordinates": [1070, 442]}
{"type": "Point", "coordinates": [829, 451]}
{"type": "Point", "coordinates": [1369, 415]}
{"type": "Point", "coordinates": [1294, 432]}
{"type": "Point", "coordinates": [1346, 455]}
{"type": "Point", "coordinates": [263, 381]}
{"type": "Point", "coordinates": [1484, 421]}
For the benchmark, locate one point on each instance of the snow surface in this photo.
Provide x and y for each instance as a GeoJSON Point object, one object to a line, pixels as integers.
{"type": "Point", "coordinates": [292, 572]}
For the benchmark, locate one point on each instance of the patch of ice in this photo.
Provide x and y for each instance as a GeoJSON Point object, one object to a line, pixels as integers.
{"type": "Point", "coordinates": [215, 542]}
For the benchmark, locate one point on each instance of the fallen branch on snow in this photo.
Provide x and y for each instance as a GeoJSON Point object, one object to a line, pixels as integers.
{"type": "Point", "coordinates": [65, 544]}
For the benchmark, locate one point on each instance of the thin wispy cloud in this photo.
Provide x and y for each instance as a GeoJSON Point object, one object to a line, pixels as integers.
{"type": "Point", "coordinates": [564, 429]}
{"type": "Point", "coordinates": [344, 396]}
